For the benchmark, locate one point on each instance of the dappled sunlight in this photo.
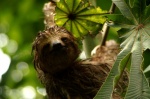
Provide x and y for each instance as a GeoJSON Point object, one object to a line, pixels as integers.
{"type": "Point", "coordinates": [16, 75]}
{"type": "Point", "coordinates": [28, 92]}
{"type": "Point", "coordinates": [12, 46]}
{"type": "Point", "coordinates": [41, 91]}
{"type": "Point", "coordinates": [4, 64]}
{"type": "Point", "coordinates": [3, 40]}
{"type": "Point", "coordinates": [23, 67]}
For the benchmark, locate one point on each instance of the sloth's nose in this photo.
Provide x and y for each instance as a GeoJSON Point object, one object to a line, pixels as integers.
{"type": "Point", "coordinates": [57, 45]}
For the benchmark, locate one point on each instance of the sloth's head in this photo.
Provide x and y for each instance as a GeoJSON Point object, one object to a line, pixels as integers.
{"type": "Point", "coordinates": [54, 50]}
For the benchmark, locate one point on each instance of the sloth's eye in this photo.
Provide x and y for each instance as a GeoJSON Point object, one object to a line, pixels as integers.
{"type": "Point", "coordinates": [64, 39]}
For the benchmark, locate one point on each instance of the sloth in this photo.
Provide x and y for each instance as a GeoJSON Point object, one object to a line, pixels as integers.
{"type": "Point", "coordinates": [63, 74]}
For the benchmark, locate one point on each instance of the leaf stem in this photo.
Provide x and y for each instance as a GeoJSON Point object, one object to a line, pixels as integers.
{"type": "Point", "coordinates": [88, 44]}
{"type": "Point", "coordinates": [112, 8]}
{"type": "Point", "coordinates": [105, 28]}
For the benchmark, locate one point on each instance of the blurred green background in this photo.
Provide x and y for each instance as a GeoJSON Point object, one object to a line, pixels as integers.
{"type": "Point", "coordinates": [20, 21]}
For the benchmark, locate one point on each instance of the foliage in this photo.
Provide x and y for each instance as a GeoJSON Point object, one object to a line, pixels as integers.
{"type": "Point", "coordinates": [135, 36]}
{"type": "Point", "coordinates": [79, 17]}
{"type": "Point", "coordinates": [20, 23]}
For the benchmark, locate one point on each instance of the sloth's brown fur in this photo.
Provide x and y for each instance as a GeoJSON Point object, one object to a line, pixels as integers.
{"type": "Point", "coordinates": [64, 76]}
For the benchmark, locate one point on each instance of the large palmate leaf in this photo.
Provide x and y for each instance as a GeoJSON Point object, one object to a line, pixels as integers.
{"type": "Point", "coordinates": [79, 17]}
{"type": "Point", "coordinates": [135, 36]}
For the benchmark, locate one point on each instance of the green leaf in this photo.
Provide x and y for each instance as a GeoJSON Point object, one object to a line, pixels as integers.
{"type": "Point", "coordinates": [135, 36]}
{"type": "Point", "coordinates": [61, 22]}
{"type": "Point", "coordinates": [62, 6]}
{"type": "Point", "coordinates": [68, 25]}
{"type": "Point", "coordinates": [138, 87]}
{"type": "Point", "coordinates": [82, 30]}
{"type": "Point", "coordinates": [80, 15]}
{"type": "Point", "coordinates": [82, 6]}
{"type": "Point", "coordinates": [75, 29]}
{"type": "Point", "coordinates": [76, 4]}
{"type": "Point", "coordinates": [146, 17]}
{"type": "Point", "coordinates": [61, 14]}
{"type": "Point", "coordinates": [69, 4]}
{"type": "Point", "coordinates": [131, 2]}
{"type": "Point", "coordinates": [108, 86]}
{"type": "Point", "coordinates": [125, 10]}
{"type": "Point", "coordinates": [92, 11]}
{"type": "Point", "coordinates": [93, 18]}
{"type": "Point", "coordinates": [88, 25]}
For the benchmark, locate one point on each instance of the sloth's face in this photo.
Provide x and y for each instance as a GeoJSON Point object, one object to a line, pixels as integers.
{"type": "Point", "coordinates": [55, 49]}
